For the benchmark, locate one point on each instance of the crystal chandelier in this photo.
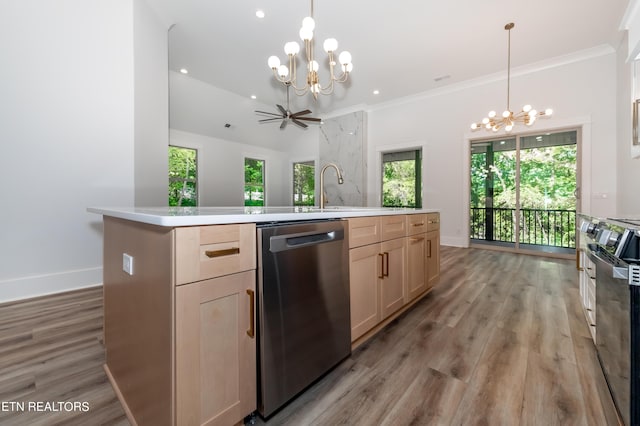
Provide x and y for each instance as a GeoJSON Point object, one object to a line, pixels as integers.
{"type": "Point", "coordinates": [287, 74]}
{"type": "Point", "coordinates": [527, 116]}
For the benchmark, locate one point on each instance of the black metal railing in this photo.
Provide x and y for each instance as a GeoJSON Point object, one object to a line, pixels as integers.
{"type": "Point", "coordinates": [555, 228]}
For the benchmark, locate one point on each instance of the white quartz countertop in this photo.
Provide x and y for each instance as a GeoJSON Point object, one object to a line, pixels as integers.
{"type": "Point", "coordinates": [194, 216]}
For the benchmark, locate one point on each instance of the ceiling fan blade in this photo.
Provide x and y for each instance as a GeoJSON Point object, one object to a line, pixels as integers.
{"type": "Point", "coordinates": [299, 123]}
{"type": "Point", "coordinates": [269, 113]}
{"type": "Point", "coordinates": [284, 124]}
{"type": "Point", "coordinates": [305, 112]}
{"type": "Point", "coordinates": [281, 108]}
{"type": "Point", "coordinates": [308, 118]}
{"type": "Point", "coordinates": [266, 120]}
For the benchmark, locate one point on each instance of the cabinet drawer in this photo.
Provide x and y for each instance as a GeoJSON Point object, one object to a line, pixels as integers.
{"type": "Point", "coordinates": [416, 224]}
{"type": "Point", "coordinates": [393, 227]}
{"type": "Point", "coordinates": [433, 221]}
{"type": "Point", "coordinates": [364, 231]}
{"type": "Point", "coordinates": [204, 252]}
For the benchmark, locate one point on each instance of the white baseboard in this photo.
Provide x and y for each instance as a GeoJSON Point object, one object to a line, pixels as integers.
{"type": "Point", "coordinates": [454, 241]}
{"type": "Point", "coordinates": [42, 285]}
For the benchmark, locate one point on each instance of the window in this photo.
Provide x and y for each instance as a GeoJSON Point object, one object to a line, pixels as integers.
{"type": "Point", "coordinates": [183, 176]}
{"type": "Point", "coordinates": [402, 179]}
{"type": "Point", "coordinates": [304, 183]}
{"type": "Point", "coordinates": [254, 190]}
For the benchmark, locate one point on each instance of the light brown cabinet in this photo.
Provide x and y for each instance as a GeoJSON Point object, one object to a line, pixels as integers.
{"type": "Point", "coordinates": [416, 266]}
{"type": "Point", "coordinates": [377, 270]}
{"type": "Point", "coordinates": [180, 332]}
{"type": "Point", "coordinates": [393, 260]}
{"type": "Point", "coordinates": [215, 350]}
{"type": "Point", "coordinates": [433, 249]}
{"type": "Point", "coordinates": [365, 269]}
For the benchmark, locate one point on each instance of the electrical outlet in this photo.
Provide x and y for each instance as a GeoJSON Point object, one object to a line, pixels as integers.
{"type": "Point", "coordinates": [127, 263]}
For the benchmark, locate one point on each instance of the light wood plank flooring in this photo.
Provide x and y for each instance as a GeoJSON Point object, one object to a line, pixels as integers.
{"type": "Point", "coordinates": [501, 340]}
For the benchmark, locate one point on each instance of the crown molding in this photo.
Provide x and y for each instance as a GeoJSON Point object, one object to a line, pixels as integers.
{"type": "Point", "coordinates": [555, 62]}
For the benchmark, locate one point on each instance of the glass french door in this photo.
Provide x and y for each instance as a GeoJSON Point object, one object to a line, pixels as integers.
{"type": "Point", "coordinates": [523, 192]}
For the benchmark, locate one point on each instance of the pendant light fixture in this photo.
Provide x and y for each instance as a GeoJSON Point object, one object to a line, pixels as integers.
{"type": "Point", "coordinates": [311, 83]}
{"type": "Point", "coordinates": [527, 115]}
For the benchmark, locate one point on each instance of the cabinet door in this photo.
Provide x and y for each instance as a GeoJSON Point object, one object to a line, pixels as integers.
{"type": "Point", "coordinates": [416, 266]}
{"type": "Point", "coordinates": [215, 350]}
{"type": "Point", "coordinates": [365, 268]}
{"type": "Point", "coordinates": [433, 258]}
{"type": "Point", "coordinates": [393, 284]}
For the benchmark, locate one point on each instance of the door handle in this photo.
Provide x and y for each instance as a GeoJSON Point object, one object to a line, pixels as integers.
{"type": "Point", "coordinates": [381, 257]}
{"type": "Point", "coordinates": [251, 330]}
{"type": "Point", "coordinates": [429, 248]}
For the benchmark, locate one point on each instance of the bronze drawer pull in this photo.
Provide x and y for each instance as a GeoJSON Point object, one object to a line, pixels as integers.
{"type": "Point", "coordinates": [251, 330]}
{"type": "Point", "coordinates": [386, 262]}
{"type": "Point", "coordinates": [416, 239]}
{"type": "Point", "coordinates": [223, 252]}
{"type": "Point", "coordinates": [417, 224]}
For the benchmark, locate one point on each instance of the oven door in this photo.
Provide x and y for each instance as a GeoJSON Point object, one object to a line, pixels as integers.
{"type": "Point", "coordinates": [613, 329]}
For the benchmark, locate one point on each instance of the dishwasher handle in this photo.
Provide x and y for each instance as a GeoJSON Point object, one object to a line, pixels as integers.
{"type": "Point", "coordinates": [303, 239]}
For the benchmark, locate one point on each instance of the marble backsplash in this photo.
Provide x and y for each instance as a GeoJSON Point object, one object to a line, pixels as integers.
{"type": "Point", "coordinates": [343, 142]}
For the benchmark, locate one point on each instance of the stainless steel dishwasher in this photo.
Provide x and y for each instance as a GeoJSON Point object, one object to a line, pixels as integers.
{"type": "Point", "coordinates": [303, 307]}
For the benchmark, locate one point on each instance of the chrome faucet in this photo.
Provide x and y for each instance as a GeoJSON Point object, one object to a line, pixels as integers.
{"type": "Point", "coordinates": [340, 181]}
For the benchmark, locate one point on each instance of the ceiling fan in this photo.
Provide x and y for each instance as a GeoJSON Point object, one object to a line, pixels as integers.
{"type": "Point", "coordinates": [286, 115]}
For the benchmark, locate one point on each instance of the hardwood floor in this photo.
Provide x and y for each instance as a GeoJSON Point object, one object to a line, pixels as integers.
{"type": "Point", "coordinates": [51, 352]}
{"type": "Point", "coordinates": [501, 340]}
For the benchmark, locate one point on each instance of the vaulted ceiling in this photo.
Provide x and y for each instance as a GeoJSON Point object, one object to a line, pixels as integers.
{"type": "Point", "coordinates": [399, 48]}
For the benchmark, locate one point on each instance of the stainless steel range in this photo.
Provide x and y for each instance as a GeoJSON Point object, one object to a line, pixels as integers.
{"type": "Point", "coordinates": [615, 252]}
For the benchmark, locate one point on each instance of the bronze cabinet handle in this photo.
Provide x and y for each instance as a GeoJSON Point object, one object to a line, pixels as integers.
{"type": "Point", "coordinates": [429, 247]}
{"type": "Point", "coordinates": [416, 239]}
{"type": "Point", "coordinates": [380, 255]}
{"type": "Point", "coordinates": [578, 265]}
{"type": "Point", "coordinates": [417, 224]}
{"type": "Point", "coordinates": [223, 252]}
{"type": "Point", "coordinates": [251, 330]}
{"type": "Point", "coordinates": [386, 262]}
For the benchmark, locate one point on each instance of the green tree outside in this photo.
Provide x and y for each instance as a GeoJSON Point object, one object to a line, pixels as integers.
{"type": "Point", "coordinates": [253, 182]}
{"type": "Point", "coordinates": [183, 177]}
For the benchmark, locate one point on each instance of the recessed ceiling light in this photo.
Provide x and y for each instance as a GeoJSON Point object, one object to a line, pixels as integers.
{"type": "Point", "coordinates": [376, 92]}
{"type": "Point", "coordinates": [259, 13]}
{"type": "Point", "coordinates": [184, 71]}
{"type": "Point", "coordinates": [253, 97]}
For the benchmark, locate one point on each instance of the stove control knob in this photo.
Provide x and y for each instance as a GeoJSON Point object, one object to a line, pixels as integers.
{"type": "Point", "coordinates": [608, 238]}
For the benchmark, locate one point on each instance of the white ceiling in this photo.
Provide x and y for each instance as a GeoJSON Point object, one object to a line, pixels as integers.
{"type": "Point", "coordinates": [399, 47]}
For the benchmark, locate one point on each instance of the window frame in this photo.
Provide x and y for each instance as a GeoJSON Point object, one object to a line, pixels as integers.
{"type": "Point", "coordinates": [418, 160]}
{"type": "Point", "coordinates": [262, 184]}
{"type": "Point", "coordinates": [186, 179]}
{"type": "Point", "coordinates": [311, 163]}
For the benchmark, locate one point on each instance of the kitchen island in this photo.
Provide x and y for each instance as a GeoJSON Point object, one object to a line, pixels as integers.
{"type": "Point", "coordinates": [179, 297]}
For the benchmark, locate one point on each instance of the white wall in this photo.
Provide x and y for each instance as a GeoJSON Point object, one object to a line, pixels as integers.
{"type": "Point", "coordinates": [66, 129]}
{"type": "Point", "coordinates": [151, 107]}
{"type": "Point", "coordinates": [582, 91]}
{"type": "Point", "coordinates": [221, 170]}
{"type": "Point", "coordinates": [628, 161]}
{"type": "Point", "coordinates": [198, 112]}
